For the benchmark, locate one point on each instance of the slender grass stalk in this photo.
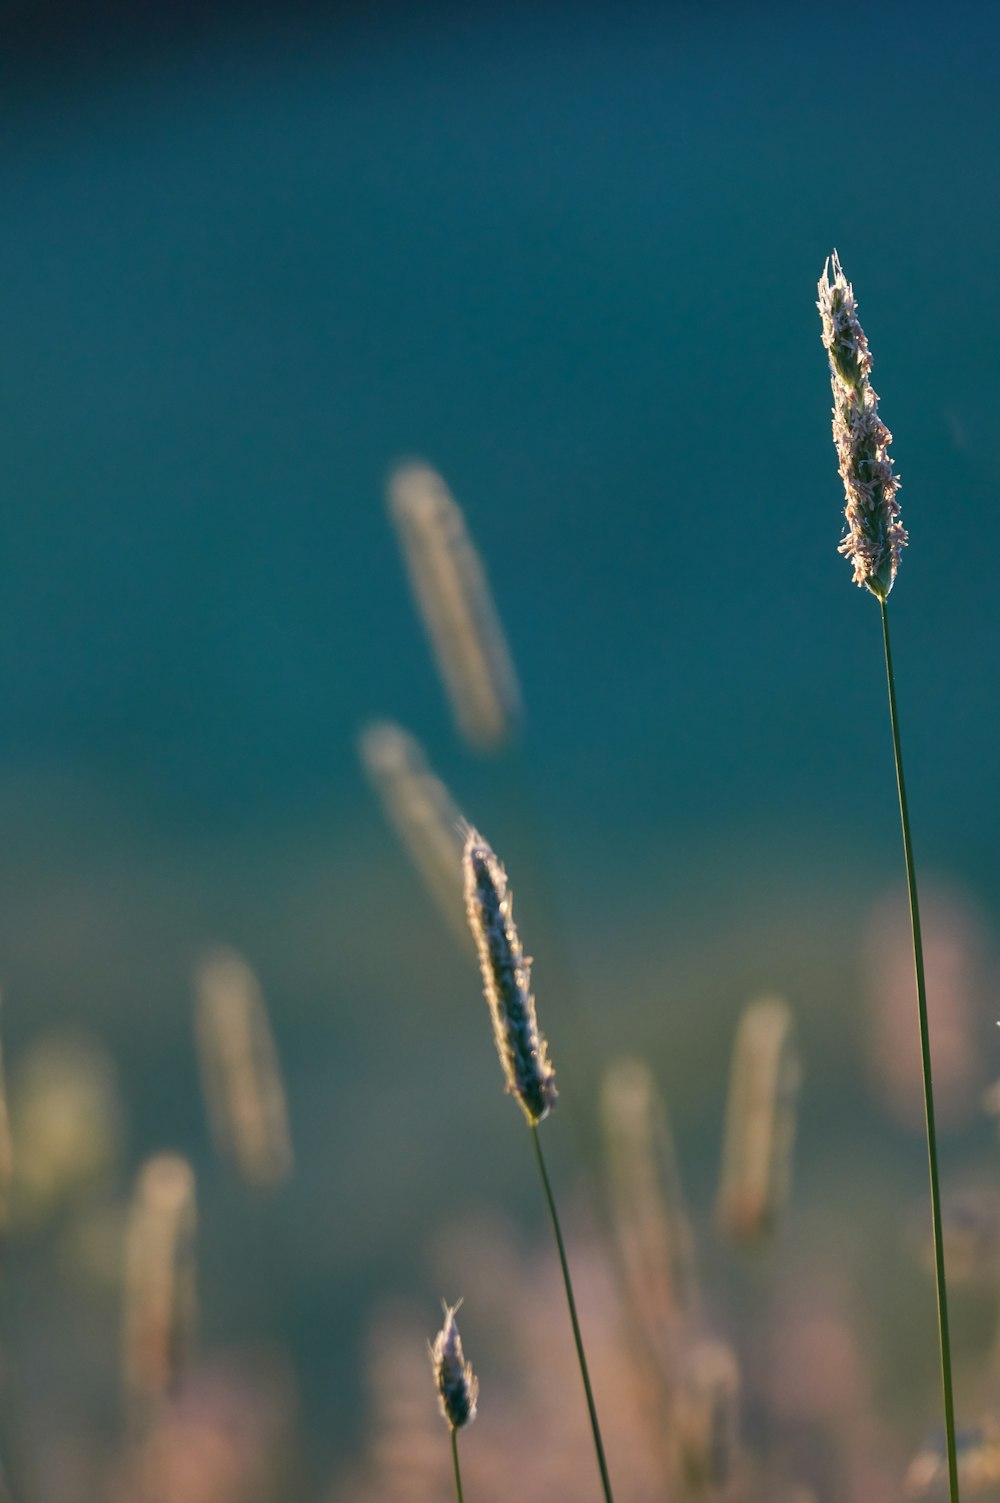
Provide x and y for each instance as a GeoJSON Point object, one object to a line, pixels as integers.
{"type": "Point", "coordinates": [874, 542]}
{"type": "Point", "coordinates": [925, 1058]}
{"type": "Point", "coordinates": [571, 1302]}
{"type": "Point", "coordinates": [458, 1469]}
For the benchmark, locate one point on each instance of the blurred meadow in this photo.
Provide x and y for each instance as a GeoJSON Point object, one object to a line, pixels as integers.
{"type": "Point", "coordinates": [251, 259]}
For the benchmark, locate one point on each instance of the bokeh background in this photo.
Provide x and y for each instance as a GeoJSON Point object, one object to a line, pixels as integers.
{"type": "Point", "coordinates": [252, 255]}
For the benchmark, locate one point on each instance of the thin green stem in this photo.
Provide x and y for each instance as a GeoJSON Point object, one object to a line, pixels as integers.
{"type": "Point", "coordinates": [571, 1302]}
{"type": "Point", "coordinates": [925, 1055]}
{"type": "Point", "coordinates": [458, 1470]}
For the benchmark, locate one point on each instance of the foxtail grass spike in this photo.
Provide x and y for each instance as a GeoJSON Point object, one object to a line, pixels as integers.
{"type": "Point", "coordinates": [506, 972]}
{"type": "Point", "coordinates": [457, 1385]}
{"type": "Point", "coordinates": [421, 811]}
{"type": "Point", "coordinates": [241, 1076]}
{"type": "Point", "coordinates": [760, 1122]}
{"type": "Point", "coordinates": [454, 599]}
{"type": "Point", "coordinates": [875, 537]}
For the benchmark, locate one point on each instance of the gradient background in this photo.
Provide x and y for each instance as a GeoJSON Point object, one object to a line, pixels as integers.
{"type": "Point", "coordinates": [250, 256]}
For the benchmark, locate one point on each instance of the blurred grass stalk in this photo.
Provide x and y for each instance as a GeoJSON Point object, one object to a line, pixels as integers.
{"type": "Point", "coordinates": [760, 1123]}
{"type": "Point", "coordinates": [241, 1077]}
{"type": "Point", "coordinates": [874, 542]}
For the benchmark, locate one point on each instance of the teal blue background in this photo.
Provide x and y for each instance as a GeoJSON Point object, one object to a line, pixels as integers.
{"type": "Point", "coordinates": [569, 255]}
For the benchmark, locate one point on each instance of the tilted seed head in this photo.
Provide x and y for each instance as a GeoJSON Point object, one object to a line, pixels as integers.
{"type": "Point", "coordinates": [457, 1384]}
{"type": "Point", "coordinates": [422, 812]}
{"type": "Point", "coordinates": [454, 599]}
{"type": "Point", "coordinates": [507, 981]}
{"type": "Point", "coordinates": [241, 1074]}
{"type": "Point", "coordinates": [651, 1220]}
{"type": "Point", "coordinates": [875, 537]}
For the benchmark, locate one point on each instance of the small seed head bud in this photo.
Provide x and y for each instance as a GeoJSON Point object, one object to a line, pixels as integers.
{"type": "Point", "coordinates": [457, 1385]}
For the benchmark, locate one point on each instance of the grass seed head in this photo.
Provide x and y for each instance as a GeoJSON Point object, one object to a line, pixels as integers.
{"type": "Point", "coordinates": [421, 811]}
{"type": "Point", "coordinates": [241, 1075]}
{"type": "Point", "coordinates": [652, 1224]}
{"type": "Point", "coordinates": [875, 536]}
{"type": "Point", "coordinates": [506, 974]}
{"type": "Point", "coordinates": [708, 1417]}
{"type": "Point", "coordinates": [454, 599]}
{"type": "Point", "coordinates": [160, 1300]}
{"type": "Point", "coordinates": [764, 1081]}
{"type": "Point", "coordinates": [457, 1384]}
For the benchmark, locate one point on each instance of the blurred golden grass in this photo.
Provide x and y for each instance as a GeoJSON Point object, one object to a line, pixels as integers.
{"type": "Point", "coordinates": [241, 1078]}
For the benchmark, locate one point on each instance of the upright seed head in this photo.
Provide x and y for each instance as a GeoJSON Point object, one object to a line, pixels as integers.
{"type": "Point", "coordinates": [875, 537]}
{"type": "Point", "coordinates": [457, 1384]}
{"type": "Point", "coordinates": [764, 1081]}
{"type": "Point", "coordinates": [507, 981]}
{"type": "Point", "coordinates": [160, 1297]}
{"type": "Point", "coordinates": [241, 1076]}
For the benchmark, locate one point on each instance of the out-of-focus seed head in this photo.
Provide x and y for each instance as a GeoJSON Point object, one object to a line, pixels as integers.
{"type": "Point", "coordinates": [241, 1076]}
{"type": "Point", "coordinates": [454, 599]}
{"type": "Point", "coordinates": [708, 1416]}
{"type": "Point", "coordinates": [764, 1081]}
{"type": "Point", "coordinates": [651, 1220]}
{"type": "Point", "coordinates": [423, 813]}
{"type": "Point", "coordinates": [160, 1299]}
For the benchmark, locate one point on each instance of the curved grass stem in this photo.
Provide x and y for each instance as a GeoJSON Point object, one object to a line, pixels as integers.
{"type": "Point", "coordinates": [925, 1056]}
{"type": "Point", "coordinates": [571, 1302]}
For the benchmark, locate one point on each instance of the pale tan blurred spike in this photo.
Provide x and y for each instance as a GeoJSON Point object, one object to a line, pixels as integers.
{"type": "Point", "coordinates": [160, 1281]}
{"type": "Point", "coordinates": [760, 1122]}
{"type": "Point", "coordinates": [423, 814]}
{"type": "Point", "coordinates": [707, 1418]}
{"type": "Point", "coordinates": [649, 1211]}
{"type": "Point", "coordinates": [66, 1122]}
{"type": "Point", "coordinates": [241, 1076]}
{"type": "Point", "coordinates": [454, 599]}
